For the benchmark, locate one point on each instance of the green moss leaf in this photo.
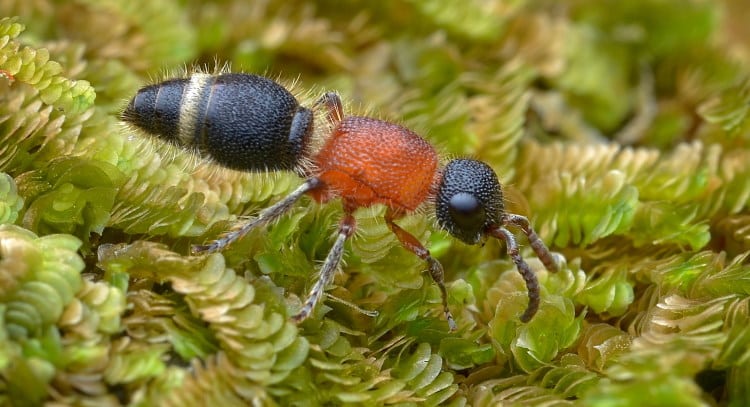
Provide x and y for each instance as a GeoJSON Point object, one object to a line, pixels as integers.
{"type": "Point", "coordinates": [70, 195]}
{"type": "Point", "coordinates": [611, 293]}
{"type": "Point", "coordinates": [10, 202]}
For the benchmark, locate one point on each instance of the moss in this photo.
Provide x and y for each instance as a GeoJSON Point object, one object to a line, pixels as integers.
{"type": "Point", "coordinates": [619, 128]}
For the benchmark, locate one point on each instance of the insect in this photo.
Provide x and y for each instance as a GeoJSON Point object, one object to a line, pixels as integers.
{"type": "Point", "coordinates": [251, 123]}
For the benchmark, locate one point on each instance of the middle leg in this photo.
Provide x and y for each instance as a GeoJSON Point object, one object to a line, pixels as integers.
{"type": "Point", "coordinates": [436, 269]}
{"type": "Point", "coordinates": [328, 270]}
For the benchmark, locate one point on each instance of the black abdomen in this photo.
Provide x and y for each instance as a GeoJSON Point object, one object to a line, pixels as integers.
{"type": "Point", "coordinates": [242, 121]}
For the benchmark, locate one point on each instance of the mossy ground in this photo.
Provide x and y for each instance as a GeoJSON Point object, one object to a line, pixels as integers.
{"type": "Point", "coordinates": [621, 128]}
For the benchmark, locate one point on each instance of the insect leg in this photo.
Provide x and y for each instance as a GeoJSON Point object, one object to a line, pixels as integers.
{"type": "Point", "coordinates": [411, 243]}
{"type": "Point", "coordinates": [536, 243]}
{"type": "Point", "coordinates": [265, 216]}
{"type": "Point", "coordinates": [334, 107]}
{"type": "Point", "coordinates": [532, 285]}
{"type": "Point", "coordinates": [328, 270]}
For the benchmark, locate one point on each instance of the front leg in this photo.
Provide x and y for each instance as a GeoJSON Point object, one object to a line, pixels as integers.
{"type": "Point", "coordinates": [532, 284]}
{"type": "Point", "coordinates": [436, 269]}
{"type": "Point", "coordinates": [534, 240]}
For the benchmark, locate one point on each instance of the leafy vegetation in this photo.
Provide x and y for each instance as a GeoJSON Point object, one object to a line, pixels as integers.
{"type": "Point", "coordinates": [621, 128]}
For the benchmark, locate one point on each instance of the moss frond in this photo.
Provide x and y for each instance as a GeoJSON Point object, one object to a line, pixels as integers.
{"type": "Point", "coordinates": [170, 193]}
{"type": "Point", "coordinates": [544, 386]}
{"type": "Point", "coordinates": [601, 344]}
{"type": "Point", "coordinates": [33, 67]}
{"type": "Point", "coordinates": [497, 110]}
{"type": "Point", "coordinates": [401, 372]}
{"type": "Point", "coordinates": [35, 132]}
{"type": "Point", "coordinates": [380, 252]}
{"type": "Point", "coordinates": [610, 293]}
{"type": "Point", "coordinates": [42, 111]}
{"type": "Point", "coordinates": [69, 195]}
{"type": "Point", "coordinates": [10, 202]}
{"type": "Point", "coordinates": [227, 301]}
{"type": "Point", "coordinates": [731, 194]}
{"type": "Point", "coordinates": [36, 296]}
{"type": "Point", "coordinates": [683, 321]}
{"type": "Point", "coordinates": [213, 381]}
{"type": "Point", "coordinates": [478, 21]}
{"type": "Point", "coordinates": [734, 230]}
{"type": "Point", "coordinates": [728, 110]}
{"type": "Point", "coordinates": [656, 368]}
{"type": "Point", "coordinates": [522, 343]}
{"type": "Point", "coordinates": [94, 314]}
{"type": "Point", "coordinates": [593, 208]}
{"type": "Point", "coordinates": [42, 279]}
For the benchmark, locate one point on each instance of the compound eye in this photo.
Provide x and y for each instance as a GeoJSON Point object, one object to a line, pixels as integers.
{"type": "Point", "coordinates": [467, 212]}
